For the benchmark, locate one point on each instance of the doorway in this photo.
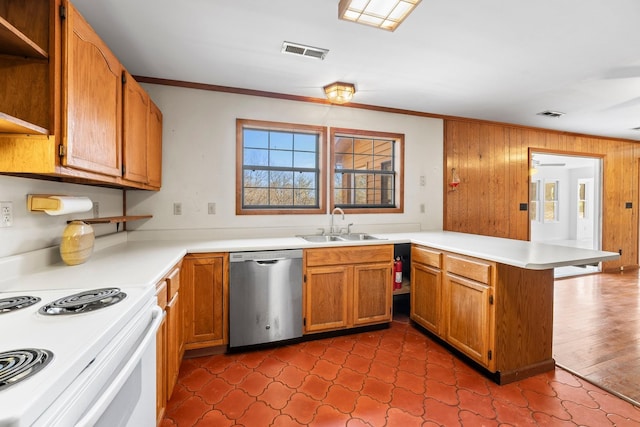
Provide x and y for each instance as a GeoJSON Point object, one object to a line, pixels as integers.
{"type": "Point", "coordinates": [565, 206]}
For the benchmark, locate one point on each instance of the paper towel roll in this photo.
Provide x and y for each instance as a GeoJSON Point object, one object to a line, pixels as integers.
{"type": "Point", "coordinates": [68, 204]}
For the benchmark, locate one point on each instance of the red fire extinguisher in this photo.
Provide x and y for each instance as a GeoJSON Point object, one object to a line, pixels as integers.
{"type": "Point", "coordinates": [397, 276]}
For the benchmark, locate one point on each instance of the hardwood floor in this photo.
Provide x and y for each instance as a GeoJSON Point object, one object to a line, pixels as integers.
{"type": "Point", "coordinates": [597, 330]}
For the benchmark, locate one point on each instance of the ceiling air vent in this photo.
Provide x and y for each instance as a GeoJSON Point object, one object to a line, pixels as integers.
{"type": "Point", "coordinates": [638, 128]}
{"type": "Point", "coordinates": [302, 50]}
{"type": "Point", "coordinates": [548, 113]}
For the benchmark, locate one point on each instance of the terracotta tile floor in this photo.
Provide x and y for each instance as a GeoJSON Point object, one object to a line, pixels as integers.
{"type": "Point", "coordinates": [390, 377]}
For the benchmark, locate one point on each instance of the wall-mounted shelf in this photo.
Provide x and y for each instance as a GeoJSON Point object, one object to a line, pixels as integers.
{"type": "Point", "coordinates": [113, 219]}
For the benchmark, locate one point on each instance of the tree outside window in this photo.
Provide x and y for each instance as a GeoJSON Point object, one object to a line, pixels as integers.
{"type": "Point", "coordinates": [551, 201]}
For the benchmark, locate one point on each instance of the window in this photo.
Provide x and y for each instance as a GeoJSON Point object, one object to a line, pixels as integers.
{"type": "Point", "coordinates": [279, 168]}
{"type": "Point", "coordinates": [550, 201]}
{"type": "Point", "coordinates": [533, 200]}
{"type": "Point", "coordinates": [367, 171]}
{"type": "Point", "coordinates": [582, 200]}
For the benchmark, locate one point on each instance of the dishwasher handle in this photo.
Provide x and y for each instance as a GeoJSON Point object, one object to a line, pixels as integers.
{"type": "Point", "coordinates": [268, 261]}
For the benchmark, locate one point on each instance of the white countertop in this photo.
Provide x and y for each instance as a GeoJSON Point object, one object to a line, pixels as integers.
{"type": "Point", "coordinates": [144, 262]}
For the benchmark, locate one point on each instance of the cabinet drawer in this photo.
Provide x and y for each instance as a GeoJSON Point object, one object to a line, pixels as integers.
{"type": "Point", "coordinates": [161, 294]}
{"type": "Point", "coordinates": [425, 256]}
{"type": "Point", "coordinates": [173, 282]}
{"type": "Point", "coordinates": [349, 255]}
{"type": "Point", "coordinates": [469, 268]}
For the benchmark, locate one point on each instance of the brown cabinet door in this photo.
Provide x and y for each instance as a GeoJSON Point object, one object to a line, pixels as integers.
{"type": "Point", "coordinates": [469, 313]}
{"type": "Point", "coordinates": [426, 297]}
{"type": "Point", "coordinates": [135, 113]}
{"type": "Point", "coordinates": [92, 97]}
{"type": "Point", "coordinates": [372, 293]}
{"type": "Point", "coordinates": [326, 298]}
{"type": "Point", "coordinates": [154, 146]}
{"type": "Point", "coordinates": [204, 288]}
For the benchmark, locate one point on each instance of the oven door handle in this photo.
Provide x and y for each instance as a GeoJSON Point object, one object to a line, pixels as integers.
{"type": "Point", "coordinates": [110, 393]}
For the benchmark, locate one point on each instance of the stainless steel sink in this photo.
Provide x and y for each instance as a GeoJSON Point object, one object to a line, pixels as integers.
{"type": "Point", "coordinates": [317, 238]}
{"type": "Point", "coordinates": [358, 236]}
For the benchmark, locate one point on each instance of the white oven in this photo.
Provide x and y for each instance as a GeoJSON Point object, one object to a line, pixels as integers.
{"type": "Point", "coordinates": [101, 370]}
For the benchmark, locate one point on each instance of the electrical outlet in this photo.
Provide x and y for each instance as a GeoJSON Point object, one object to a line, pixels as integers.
{"type": "Point", "coordinates": [211, 208]}
{"type": "Point", "coordinates": [96, 209]}
{"type": "Point", "coordinates": [6, 214]}
{"type": "Point", "coordinates": [177, 208]}
{"type": "Point", "coordinates": [421, 207]}
{"type": "Point", "coordinates": [423, 181]}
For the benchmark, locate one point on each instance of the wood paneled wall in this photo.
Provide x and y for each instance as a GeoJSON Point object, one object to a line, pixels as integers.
{"type": "Point", "coordinates": [492, 161]}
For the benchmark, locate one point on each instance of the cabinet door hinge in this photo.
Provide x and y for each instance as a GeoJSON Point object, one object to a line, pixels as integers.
{"type": "Point", "coordinates": [62, 11]}
{"type": "Point", "coordinates": [490, 355]}
{"type": "Point", "coordinates": [124, 78]}
{"type": "Point", "coordinates": [304, 278]}
{"type": "Point", "coordinates": [491, 299]}
{"type": "Point", "coordinates": [304, 321]}
{"type": "Point", "coordinates": [61, 150]}
{"type": "Point", "coordinates": [124, 169]}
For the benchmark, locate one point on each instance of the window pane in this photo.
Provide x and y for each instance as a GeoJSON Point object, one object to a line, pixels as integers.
{"type": "Point", "coordinates": [383, 148]}
{"type": "Point", "coordinates": [305, 142]}
{"type": "Point", "coordinates": [256, 157]}
{"type": "Point", "coordinates": [281, 141]}
{"type": "Point", "coordinates": [362, 162]}
{"type": "Point", "coordinates": [363, 146]}
{"type": "Point", "coordinates": [304, 197]}
{"type": "Point", "coordinates": [281, 158]}
{"type": "Point", "coordinates": [281, 196]}
{"type": "Point", "coordinates": [254, 138]}
{"type": "Point", "coordinates": [344, 161]}
{"type": "Point", "coordinates": [256, 178]}
{"type": "Point", "coordinates": [305, 180]}
{"type": "Point", "coordinates": [280, 179]}
{"type": "Point", "coordinates": [304, 159]}
{"type": "Point", "coordinates": [256, 196]}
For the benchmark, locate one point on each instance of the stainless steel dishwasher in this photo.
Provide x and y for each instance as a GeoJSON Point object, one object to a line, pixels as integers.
{"type": "Point", "coordinates": [265, 297]}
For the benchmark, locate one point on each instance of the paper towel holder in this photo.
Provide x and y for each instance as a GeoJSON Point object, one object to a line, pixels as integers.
{"type": "Point", "coordinates": [48, 203]}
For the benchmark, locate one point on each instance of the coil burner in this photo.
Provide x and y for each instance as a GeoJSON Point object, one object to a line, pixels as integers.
{"type": "Point", "coordinates": [16, 303]}
{"type": "Point", "coordinates": [84, 302]}
{"type": "Point", "coordinates": [17, 365]}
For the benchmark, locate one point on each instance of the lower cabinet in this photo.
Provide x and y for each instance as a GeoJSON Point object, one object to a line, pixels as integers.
{"type": "Point", "coordinates": [426, 288]}
{"type": "Point", "coordinates": [169, 342]}
{"type": "Point", "coordinates": [451, 296]}
{"type": "Point", "coordinates": [498, 315]}
{"type": "Point", "coordinates": [205, 285]}
{"type": "Point", "coordinates": [347, 287]}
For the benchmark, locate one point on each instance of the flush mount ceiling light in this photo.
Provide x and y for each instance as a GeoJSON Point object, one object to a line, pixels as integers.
{"type": "Point", "coordinates": [339, 92]}
{"type": "Point", "coordinates": [385, 14]}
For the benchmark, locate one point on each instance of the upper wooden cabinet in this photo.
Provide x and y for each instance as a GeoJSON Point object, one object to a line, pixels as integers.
{"type": "Point", "coordinates": [26, 90]}
{"type": "Point", "coordinates": [92, 99]}
{"type": "Point", "coordinates": [135, 130]}
{"type": "Point", "coordinates": [64, 109]}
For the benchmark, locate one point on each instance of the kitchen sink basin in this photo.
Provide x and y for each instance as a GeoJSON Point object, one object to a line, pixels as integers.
{"type": "Point", "coordinates": [358, 236]}
{"type": "Point", "coordinates": [317, 238]}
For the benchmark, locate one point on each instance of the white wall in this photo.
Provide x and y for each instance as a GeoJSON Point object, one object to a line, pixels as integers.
{"type": "Point", "coordinates": [32, 230]}
{"type": "Point", "coordinates": [199, 167]}
{"type": "Point", "coordinates": [199, 153]}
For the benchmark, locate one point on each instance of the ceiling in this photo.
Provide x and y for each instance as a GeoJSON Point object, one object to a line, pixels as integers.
{"type": "Point", "coordinates": [498, 60]}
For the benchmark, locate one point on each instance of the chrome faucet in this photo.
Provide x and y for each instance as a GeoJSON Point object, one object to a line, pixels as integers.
{"type": "Point", "coordinates": [332, 229]}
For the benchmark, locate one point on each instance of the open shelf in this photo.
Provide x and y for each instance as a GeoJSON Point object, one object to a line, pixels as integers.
{"type": "Point", "coordinates": [405, 289]}
{"type": "Point", "coordinates": [113, 219]}
{"type": "Point", "coordinates": [10, 124]}
{"type": "Point", "coordinates": [14, 42]}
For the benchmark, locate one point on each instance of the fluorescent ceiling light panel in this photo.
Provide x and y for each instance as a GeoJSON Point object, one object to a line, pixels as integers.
{"type": "Point", "coordinates": [385, 14]}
